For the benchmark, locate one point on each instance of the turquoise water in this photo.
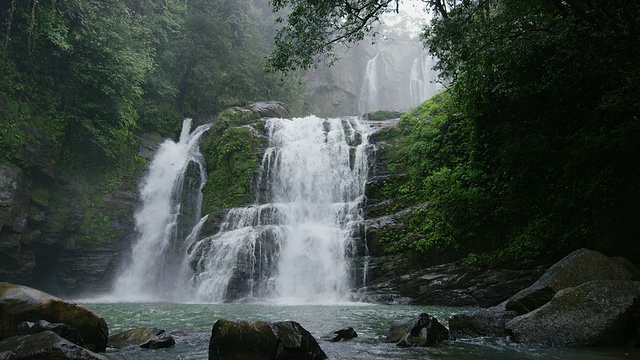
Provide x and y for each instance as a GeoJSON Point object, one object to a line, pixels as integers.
{"type": "Point", "coordinates": [191, 326]}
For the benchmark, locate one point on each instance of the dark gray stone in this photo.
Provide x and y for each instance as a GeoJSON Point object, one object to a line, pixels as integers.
{"type": "Point", "coordinates": [574, 269]}
{"type": "Point", "coordinates": [243, 340]}
{"type": "Point", "coordinates": [347, 333]}
{"type": "Point", "coordinates": [486, 322]}
{"type": "Point", "coordinates": [594, 314]}
{"type": "Point", "coordinates": [421, 331]}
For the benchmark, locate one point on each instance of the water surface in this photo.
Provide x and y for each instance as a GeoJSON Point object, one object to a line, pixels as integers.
{"type": "Point", "coordinates": [191, 326]}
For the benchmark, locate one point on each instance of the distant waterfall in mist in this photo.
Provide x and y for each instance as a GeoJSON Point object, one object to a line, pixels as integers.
{"type": "Point", "coordinates": [171, 202]}
{"type": "Point", "coordinates": [422, 83]}
{"type": "Point", "coordinates": [296, 243]}
{"type": "Point", "coordinates": [369, 94]}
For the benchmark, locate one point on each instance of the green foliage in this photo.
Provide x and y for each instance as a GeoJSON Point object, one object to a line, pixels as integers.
{"type": "Point", "coordinates": [231, 155]}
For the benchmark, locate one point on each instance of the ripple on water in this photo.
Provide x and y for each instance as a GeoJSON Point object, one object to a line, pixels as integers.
{"type": "Point", "coordinates": [191, 326]}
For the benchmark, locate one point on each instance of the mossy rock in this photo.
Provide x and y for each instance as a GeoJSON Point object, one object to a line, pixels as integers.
{"type": "Point", "coordinates": [594, 314]}
{"type": "Point", "coordinates": [20, 303]}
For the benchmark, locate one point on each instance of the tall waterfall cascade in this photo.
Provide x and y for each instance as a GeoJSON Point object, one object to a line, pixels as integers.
{"type": "Point", "coordinates": [297, 241]}
{"type": "Point", "coordinates": [170, 209]}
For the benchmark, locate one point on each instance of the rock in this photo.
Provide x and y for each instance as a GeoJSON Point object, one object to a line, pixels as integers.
{"type": "Point", "coordinates": [14, 199]}
{"type": "Point", "coordinates": [270, 109]}
{"type": "Point", "coordinates": [45, 345]}
{"type": "Point", "coordinates": [594, 314]}
{"type": "Point", "coordinates": [21, 303]}
{"type": "Point", "coordinates": [340, 334]}
{"type": "Point", "coordinates": [444, 285]}
{"type": "Point", "coordinates": [265, 109]}
{"type": "Point", "coordinates": [574, 269]}
{"type": "Point", "coordinates": [241, 340]}
{"type": "Point", "coordinates": [421, 331]}
{"type": "Point", "coordinates": [148, 338]}
{"type": "Point", "coordinates": [63, 330]}
{"type": "Point", "coordinates": [485, 322]}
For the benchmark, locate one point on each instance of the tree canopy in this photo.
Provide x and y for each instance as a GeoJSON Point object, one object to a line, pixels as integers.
{"type": "Point", "coordinates": [535, 148]}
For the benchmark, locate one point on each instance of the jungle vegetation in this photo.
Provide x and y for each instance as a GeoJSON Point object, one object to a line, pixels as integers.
{"type": "Point", "coordinates": [534, 148]}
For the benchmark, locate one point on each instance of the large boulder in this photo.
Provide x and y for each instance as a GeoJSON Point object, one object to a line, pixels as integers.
{"type": "Point", "coordinates": [147, 338]}
{"type": "Point", "coordinates": [423, 330]}
{"type": "Point", "coordinates": [574, 269]}
{"type": "Point", "coordinates": [45, 345]}
{"type": "Point", "coordinates": [594, 314]}
{"type": "Point", "coordinates": [484, 322]}
{"type": "Point", "coordinates": [259, 340]}
{"type": "Point", "coordinates": [21, 303]}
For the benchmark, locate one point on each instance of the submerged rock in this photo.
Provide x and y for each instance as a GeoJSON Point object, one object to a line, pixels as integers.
{"type": "Point", "coordinates": [574, 269]}
{"type": "Point", "coordinates": [484, 322]}
{"type": "Point", "coordinates": [421, 331]}
{"type": "Point", "coordinates": [286, 340]}
{"type": "Point", "coordinates": [147, 338]}
{"type": "Point", "coordinates": [594, 314]}
{"type": "Point", "coordinates": [63, 330]}
{"type": "Point", "coordinates": [341, 334]}
{"type": "Point", "coordinates": [44, 345]}
{"type": "Point", "coordinates": [21, 303]}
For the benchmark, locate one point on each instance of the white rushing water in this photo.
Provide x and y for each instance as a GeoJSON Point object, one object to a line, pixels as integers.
{"type": "Point", "coordinates": [155, 270]}
{"type": "Point", "coordinates": [296, 243]}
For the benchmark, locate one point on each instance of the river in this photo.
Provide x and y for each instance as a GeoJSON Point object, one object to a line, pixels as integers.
{"type": "Point", "coordinates": [191, 327]}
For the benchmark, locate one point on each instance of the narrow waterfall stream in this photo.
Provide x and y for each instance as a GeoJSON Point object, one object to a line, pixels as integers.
{"type": "Point", "coordinates": [369, 94]}
{"type": "Point", "coordinates": [171, 206]}
{"type": "Point", "coordinates": [296, 243]}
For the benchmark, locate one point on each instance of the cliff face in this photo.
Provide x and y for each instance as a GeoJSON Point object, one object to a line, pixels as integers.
{"type": "Point", "coordinates": [64, 234]}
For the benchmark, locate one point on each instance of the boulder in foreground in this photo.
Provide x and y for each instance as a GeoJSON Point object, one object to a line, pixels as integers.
{"type": "Point", "coordinates": [45, 345]}
{"type": "Point", "coordinates": [595, 314]}
{"type": "Point", "coordinates": [22, 303]}
{"type": "Point", "coordinates": [261, 340]}
{"type": "Point", "coordinates": [574, 269]}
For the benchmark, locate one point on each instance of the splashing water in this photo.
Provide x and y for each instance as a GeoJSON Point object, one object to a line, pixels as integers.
{"type": "Point", "coordinates": [156, 270]}
{"type": "Point", "coordinates": [297, 241]}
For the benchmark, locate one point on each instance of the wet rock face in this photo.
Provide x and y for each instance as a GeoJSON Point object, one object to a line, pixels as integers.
{"type": "Point", "coordinates": [16, 262]}
{"type": "Point", "coordinates": [447, 284]}
{"type": "Point", "coordinates": [50, 238]}
{"type": "Point", "coordinates": [44, 345]}
{"type": "Point", "coordinates": [285, 340]}
{"type": "Point", "coordinates": [594, 314]}
{"type": "Point", "coordinates": [21, 303]}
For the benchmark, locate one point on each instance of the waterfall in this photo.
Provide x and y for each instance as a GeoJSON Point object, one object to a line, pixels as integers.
{"type": "Point", "coordinates": [369, 98]}
{"type": "Point", "coordinates": [422, 82]}
{"type": "Point", "coordinates": [297, 241]}
{"type": "Point", "coordinates": [171, 202]}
